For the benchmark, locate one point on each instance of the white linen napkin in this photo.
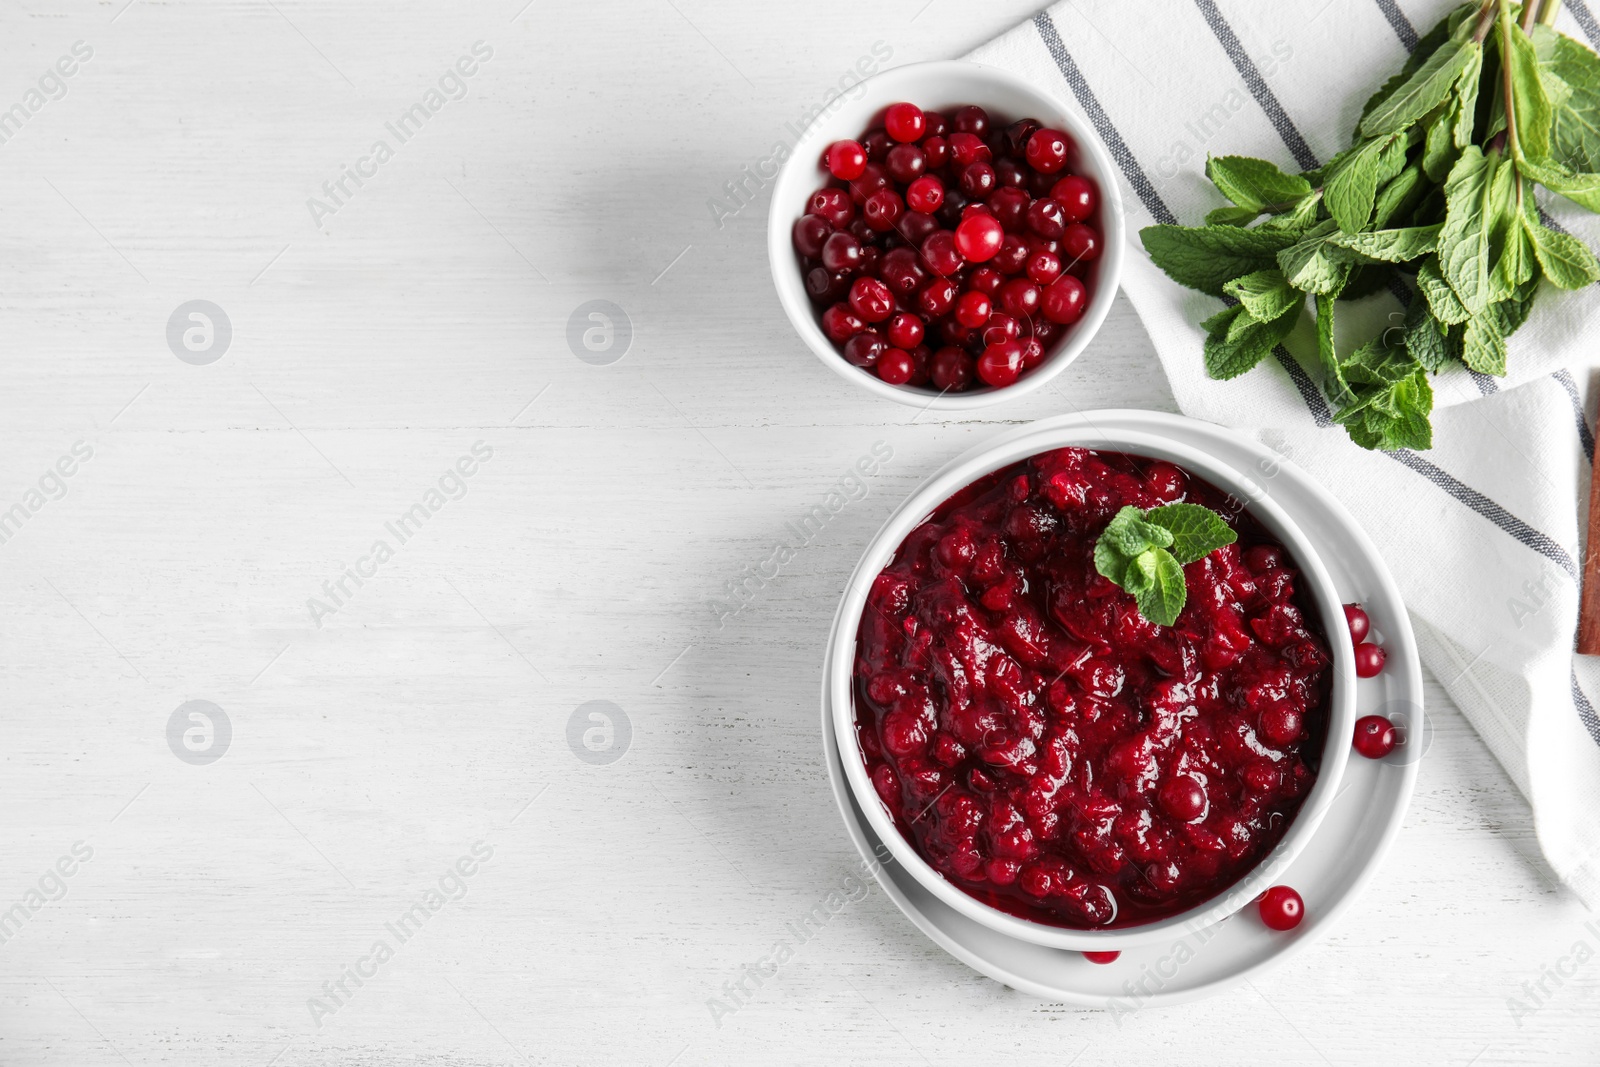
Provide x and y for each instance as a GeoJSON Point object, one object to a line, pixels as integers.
{"type": "Point", "coordinates": [1482, 531]}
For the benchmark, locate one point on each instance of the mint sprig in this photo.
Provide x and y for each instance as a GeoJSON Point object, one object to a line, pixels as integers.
{"type": "Point", "coordinates": [1144, 552]}
{"type": "Point", "coordinates": [1435, 194]}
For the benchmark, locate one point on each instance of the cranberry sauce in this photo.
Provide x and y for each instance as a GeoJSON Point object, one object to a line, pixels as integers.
{"type": "Point", "coordinates": [1050, 751]}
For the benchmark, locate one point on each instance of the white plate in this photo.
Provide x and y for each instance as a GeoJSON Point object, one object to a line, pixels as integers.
{"type": "Point", "coordinates": [1334, 867]}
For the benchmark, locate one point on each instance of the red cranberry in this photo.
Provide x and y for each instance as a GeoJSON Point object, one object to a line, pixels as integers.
{"type": "Point", "coordinates": [906, 163]}
{"type": "Point", "coordinates": [979, 237]}
{"type": "Point", "coordinates": [973, 309]}
{"type": "Point", "coordinates": [904, 122]}
{"type": "Point", "coordinates": [809, 233]}
{"type": "Point", "coordinates": [1263, 558]}
{"type": "Point", "coordinates": [846, 160]}
{"type": "Point", "coordinates": [1000, 327]}
{"type": "Point", "coordinates": [841, 323]}
{"type": "Point", "coordinates": [1358, 622]}
{"type": "Point", "coordinates": [1017, 135]}
{"type": "Point", "coordinates": [841, 251]}
{"type": "Point", "coordinates": [936, 152]}
{"type": "Point", "coordinates": [1046, 218]}
{"type": "Point", "coordinates": [921, 358]}
{"type": "Point", "coordinates": [1102, 957]}
{"type": "Point", "coordinates": [1032, 353]}
{"type": "Point", "coordinates": [1375, 736]}
{"type": "Point", "coordinates": [864, 348]}
{"type": "Point", "coordinates": [1080, 242]}
{"type": "Point", "coordinates": [1165, 480]}
{"type": "Point", "coordinates": [883, 209]}
{"type": "Point", "coordinates": [906, 331]}
{"type": "Point", "coordinates": [1281, 908]}
{"type": "Point", "coordinates": [874, 177]}
{"type": "Point", "coordinates": [870, 255]}
{"type": "Point", "coordinates": [938, 297]}
{"type": "Point", "coordinates": [977, 180]}
{"type": "Point", "coordinates": [1064, 300]}
{"type": "Point", "coordinates": [951, 211]}
{"type": "Point", "coordinates": [826, 286]}
{"type": "Point", "coordinates": [967, 149]}
{"type": "Point", "coordinates": [952, 370]}
{"type": "Point", "coordinates": [916, 227]}
{"type": "Point", "coordinates": [1043, 267]}
{"type": "Point", "coordinates": [834, 205]}
{"type": "Point", "coordinates": [1183, 797]}
{"type": "Point", "coordinates": [1012, 257]}
{"type": "Point", "coordinates": [1369, 660]}
{"type": "Point", "coordinates": [1281, 725]}
{"type": "Point", "coordinates": [871, 299]}
{"type": "Point", "coordinates": [876, 142]}
{"type": "Point", "coordinates": [1000, 364]}
{"type": "Point", "coordinates": [862, 232]}
{"type": "Point", "coordinates": [1010, 206]}
{"type": "Point", "coordinates": [1047, 150]}
{"type": "Point", "coordinates": [1076, 195]}
{"type": "Point", "coordinates": [1019, 297]}
{"type": "Point", "coordinates": [1008, 174]}
{"type": "Point", "coordinates": [972, 119]}
{"type": "Point", "coordinates": [901, 272]}
{"type": "Point", "coordinates": [925, 194]}
{"type": "Point", "coordinates": [896, 366]}
{"type": "Point", "coordinates": [987, 281]}
{"type": "Point", "coordinates": [938, 125]}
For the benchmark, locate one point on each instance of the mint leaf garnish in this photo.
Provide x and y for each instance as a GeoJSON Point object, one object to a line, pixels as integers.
{"type": "Point", "coordinates": [1143, 552]}
{"type": "Point", "coordinates": [1196, 531]}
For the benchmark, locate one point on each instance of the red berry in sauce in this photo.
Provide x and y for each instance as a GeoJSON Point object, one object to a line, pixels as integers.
{"type": "Point", "coordinates": [846, 160]}
{"type": "Point", "coordinates": [1375, 736]}
{"type": "Point", "coordinates": [1369, 660]}
{"type": "Point", "coordinates": [1358, 622]}
{"type": "Point", "coordinates": [904, 122]}
{"type": "Point", "coordinates": [1281, 908]}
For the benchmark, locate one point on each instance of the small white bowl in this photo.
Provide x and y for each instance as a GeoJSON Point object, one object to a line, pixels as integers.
{"type": "Point", "coordinates": [942, 86]}
{"type": "Point", "coordinates": [1014, 448]}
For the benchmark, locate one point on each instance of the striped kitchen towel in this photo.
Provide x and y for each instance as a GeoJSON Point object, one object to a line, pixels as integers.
{"type": "Point", "coordinates": [1482, 531]}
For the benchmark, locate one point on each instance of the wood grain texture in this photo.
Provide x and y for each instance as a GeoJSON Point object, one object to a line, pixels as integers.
{"type": "Point", "coordinates": [370, 753]}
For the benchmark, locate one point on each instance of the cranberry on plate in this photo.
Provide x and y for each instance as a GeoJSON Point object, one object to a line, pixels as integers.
{"type": "Point", "coordinates": [1042, 745]}
{"type": "Point", "coordinates": [1281, 908]}
{"type": "Point", "coordinates": [962, 218]}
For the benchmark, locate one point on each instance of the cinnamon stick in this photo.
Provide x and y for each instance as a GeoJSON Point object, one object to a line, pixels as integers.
{"type": "Point", "coordinates": [1589, 609]}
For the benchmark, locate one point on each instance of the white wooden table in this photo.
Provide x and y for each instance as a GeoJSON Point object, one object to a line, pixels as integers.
{"type": "Point", "coordinates": [377, 739]}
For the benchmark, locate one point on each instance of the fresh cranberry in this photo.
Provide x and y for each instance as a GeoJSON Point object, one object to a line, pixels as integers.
{"type": "Point", "coordinates": [973, 309]}
{"type": "Point", "coordinates": [896, 366]}
{"type": "Point", "coordinates": [904, 122]}
{"type": "Point", "coordinates": [941, 254]}
{"type": "Point", "coordinates": [874, 178]}
{"type": "Point", "coordinates": [938, 297]}
{"type": "Point", "coordinates": [840, 323]}
{"type": "Point", "coordinates": [1020, 297]}
{"type": "Point", "coordinates": [1046, 218]}
{"type": "Point", "coordinates": [979, 237]}
{"type": "Point", "coordinates": [1076, 195]}
{"type": "Point", "coordinates": [1064, 300]}
{"type": "Point", "coordinates": [967, 149]}
{"type": "Point", "coordinates": [871, 299]}
{"type": "Point", "coordinates": [864, 348]}
{"type": "Point", "coordinates": [1047, 150]}
{"type": "Point", "coordinates": [1017, 135]}
{"type": "Point", "coordinates": [1000, 364]}
{"type": "Point", "coordinates": [901, 271]}
{"type": "Point", "coordinates": [1281, 908]}
{"type": "Point", "coordinates": [938, 124]}
{"type": "Point", "coordinates": [1375, 736]}
{"type": "Point", "coordinates": [952, 210]}
{"type": "Point", "coordinates": [1010, 206]}
{"type": "Point", "coordinates": [1032, 353]}
{"type": "Point", "coordinates": [809, 233]}
{"type": "Point", "coordinates": [987, 281]}
{"type": "Point", "coordinates": [952, 370]}
{"type": "Point", "coordinates": [841, 251]}
{"type": "Point", "coordinates": [977, 180]}
{"type": "Point", "coordinates": [925, 194]}
{"type": "Point", "coordinates": [1043, 267]}
{"type": "Point", "coordinates": [1102, 957]}
{"type": "Point", "coordinates": [916, 227]}
{"type": "Point", "coordinates": [1009, 174]}
{"type": "Point", "coordinates": [936, 152]}
{"type": "Point", "coordinates": [1012, 257]}
{"type": "Point", "coordinates": [1369, 660]}
{"type": "Point", "coordinates": [905, 331]}
{"type": "Point", "coordinates": [906, 163]}
{"type": "Point", "coordinates": [1000, 327]}
{"type": "Point", "coordinates": [826, 286]}
{"type": "Point", "coordinates": [1358, 622]}
{"type": "Point", "coordinates": [1080, 242]}
{"type": "Point", "coordinates": [846, 160]}
{"type": "Point", "coordinates": [834, 205]}
{"type": "Point", "coordinates": [921, 360]}
{"type": "Point", "coordinates": [883, 209]}
{"type": "Point", "coordinates": [877, 143]}
{"type": "Point", "coordinates": [972, 119]}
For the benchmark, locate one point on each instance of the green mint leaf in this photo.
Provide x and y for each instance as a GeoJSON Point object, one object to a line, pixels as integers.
{"type": "Point", "coordinates": [1367, 279]}
{"type": "Point", "coordinates": [1265, 294]}
{"type": "Point", "coordinates": [1566, 261]}
{"type": "Point", "coordinates": [1237, 341]}
{"type": "Point", "coordinates": [1483, 346]}
{"type": "Point", "coordinates": [1297, 220]}
{"type": "Point", "coordinates": [1572, 81]}
{"type": "Point", "coordinates": [1162, 593]}
{"type": "Point", "coordinates": [1474, 201]}
{"type": "Point", "coordinates": [1254, 183]}
{"type": "Point", "coordinates": [1399, 196]}
{"type": "Point", "coordinates": [1130, 534]}
{"type": "Point", "coordinates": [1333, 383]}
{"type": "Point", "coordinates": [1429, 343]}
{"type": "Point", "coordinates": [1351, 189]}
{"type": "Point", "coordinates": [1231, 216]}
{"type": "Point", "coordinates": [1393, 246]}
{"type": "Point", "coordinates": [1207, 258]}
{"type": "Point", "coordinates": [1582, 189]}
{"type": "Point", "coordinates": [1111, 563]}
{"type": "Point", "coordinates": [1426, 46]}
{"type": "Point", "coordinates": [1196, 531]}
{"type": "Point", "coordinates": [1392, 399]}
{"type": "Point", "coordinates": [1517, 261]}
{"type": "Point", "coordinates": [1312, 264]}
{"type": "Point", "coordinates": [1442, 300]}
{"type": "Point", "coordinates": [1530, 105]}
{"type": "Point", "coordinates": [1427, 87]}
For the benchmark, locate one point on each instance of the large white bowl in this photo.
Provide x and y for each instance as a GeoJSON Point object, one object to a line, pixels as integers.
{"type": "Point", "coordinates": [1252, 488]}
{"type": "Point", "coordinates": [942, 86]}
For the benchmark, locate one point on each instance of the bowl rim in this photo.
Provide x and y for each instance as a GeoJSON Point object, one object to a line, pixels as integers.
{"type": "Point", "coordinates": [1079, 431]}
{"type": "Point", "coordinates": [801, 169]}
